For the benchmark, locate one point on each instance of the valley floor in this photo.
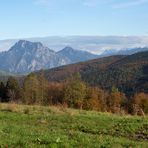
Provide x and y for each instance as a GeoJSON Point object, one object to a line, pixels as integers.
{"type": "Point", "coordinates": [35, 126]}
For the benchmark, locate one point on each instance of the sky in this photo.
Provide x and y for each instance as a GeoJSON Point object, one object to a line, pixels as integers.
{"type": "Point", "coordinates": [40, 18]}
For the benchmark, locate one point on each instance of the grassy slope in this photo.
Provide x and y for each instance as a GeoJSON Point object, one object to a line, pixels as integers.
{"type": "Point", "coordinates": [34, 126]}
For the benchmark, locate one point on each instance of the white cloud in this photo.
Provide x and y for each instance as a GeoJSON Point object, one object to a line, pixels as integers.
{"type": "Point", "coordinates": [130, 3]}
{"type": "Point", "coordinates": [90, 3]}
{"type": "Point", "coordinates": [93, 3]}
{"type": "Point", "coordinates": [114, 3]}
{"type": "Point", "coordinates": [43, 2]}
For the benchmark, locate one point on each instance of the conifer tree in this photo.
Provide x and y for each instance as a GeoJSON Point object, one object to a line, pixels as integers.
{"type": "Point", "coordinates": [3, 96]}
{"type": "Point", "coordinates": [13, 89]}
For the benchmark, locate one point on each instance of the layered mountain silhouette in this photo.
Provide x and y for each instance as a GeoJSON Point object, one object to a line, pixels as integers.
{"type": "Point", "coordinates": [26, 56]}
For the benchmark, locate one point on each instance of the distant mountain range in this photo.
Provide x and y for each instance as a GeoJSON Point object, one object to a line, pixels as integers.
{"type": "Point", "coordinates": [123, 52]}
{"type": "Point", "coordinates": [93, 44]}
{"type": "Point", "coordinates": [26, 56]}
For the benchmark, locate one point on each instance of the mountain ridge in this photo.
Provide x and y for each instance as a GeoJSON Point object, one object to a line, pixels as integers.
{"type": "Point", "coordinates": [129, 73]}
{"type": "Point", "coordinates": [26, 56]}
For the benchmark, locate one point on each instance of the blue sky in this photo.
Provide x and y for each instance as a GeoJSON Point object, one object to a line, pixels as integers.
{"type": "Point", "coordinates": [38, 18]}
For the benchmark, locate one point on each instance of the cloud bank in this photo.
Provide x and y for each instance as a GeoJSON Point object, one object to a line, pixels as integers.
{"type": "Point", "coordinates": [114, 3]}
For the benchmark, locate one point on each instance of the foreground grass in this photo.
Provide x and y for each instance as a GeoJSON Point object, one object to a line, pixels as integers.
{"type": "Point", "coordinates": [34, 126]}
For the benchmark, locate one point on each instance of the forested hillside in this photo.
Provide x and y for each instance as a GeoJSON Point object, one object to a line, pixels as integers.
{"type": "Point", "coordinates": [128, 73]}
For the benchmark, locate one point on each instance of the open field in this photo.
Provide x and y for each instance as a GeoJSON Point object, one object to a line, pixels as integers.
{"type": "Point", "coordinates": [35, 126]}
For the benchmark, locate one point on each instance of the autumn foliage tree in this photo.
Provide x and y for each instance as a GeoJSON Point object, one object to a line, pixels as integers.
{"type": "Point", "coordinates": [55, 93]}
{"type": "Point", "coordinates": [95, 99]}
{"type": "Point", "coordinates": [74, 91]}
{"type": "Point", "coordinates": [140, 103]}
{"type": "Point", "coordinates": [43, 90]}
{"type": "Point", "coordinates": [114, 100]}
{"type": "Point", "coordinates": [35, 89]}
{"type": "Point", "coordinates": [31, 89]}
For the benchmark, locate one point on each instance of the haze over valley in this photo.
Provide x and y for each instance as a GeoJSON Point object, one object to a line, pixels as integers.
{"type": "Point", "coordinates": [93, 44]}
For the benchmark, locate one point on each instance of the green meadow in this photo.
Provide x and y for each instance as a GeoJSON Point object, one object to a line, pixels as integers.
{"type": "Point", "coordinates": [58, 127]}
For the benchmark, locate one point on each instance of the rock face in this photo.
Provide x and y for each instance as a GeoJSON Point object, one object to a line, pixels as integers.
{"type": "Point", "coordinates": [26, 56]}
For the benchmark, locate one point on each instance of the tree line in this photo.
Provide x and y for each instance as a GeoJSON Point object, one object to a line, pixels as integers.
{"type": "Point", "coordinates": [72, 92]}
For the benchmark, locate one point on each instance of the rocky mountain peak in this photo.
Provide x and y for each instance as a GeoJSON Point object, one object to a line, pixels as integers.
{"type": "Point", "coordinates": [26, 56]}
{"type": "Point", "coordinates": [67, 50]}
{"type": "Point", "coordinates": [26, 45]}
